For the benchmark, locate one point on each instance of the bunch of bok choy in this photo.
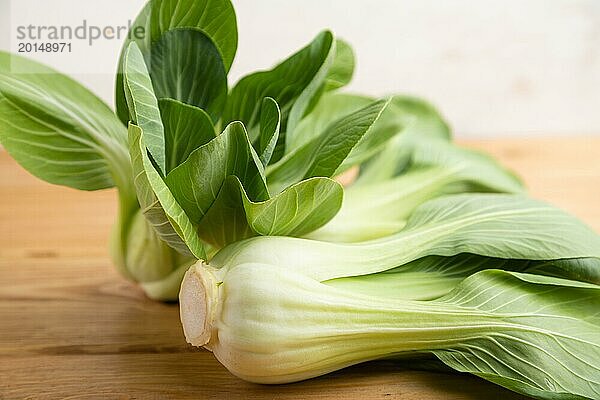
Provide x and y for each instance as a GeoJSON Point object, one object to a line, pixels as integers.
{"type": "Point", "coordinates": [188, 156]}
{"type": "Point", "coordinates": [483, 282]}
{"type": "Point", "coordinates": [432, 250]}
{"type": "Point", "coordinates": [198, 165]}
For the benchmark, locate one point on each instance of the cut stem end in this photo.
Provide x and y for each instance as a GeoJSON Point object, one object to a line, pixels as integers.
{"type": "Point", "coordinates": [196, 298]}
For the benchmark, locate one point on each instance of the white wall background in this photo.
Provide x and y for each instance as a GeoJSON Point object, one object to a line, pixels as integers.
{"type": "Point", "coordinates": [511, 67]}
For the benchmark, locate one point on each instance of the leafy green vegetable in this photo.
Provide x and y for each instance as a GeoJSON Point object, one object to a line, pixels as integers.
{"type": "Point", "coordinates": [157, 203]}
{"type": "Point", "coordinates": [476, 279]}
{"type": "Point", "coordinates": [214, 18]}
{"type": "Point", "coordinates": [62, 133]}
{"type": "Point", "coordinates": [536, 335]}
{"type": "Point", "coordinates": [203, 167]}
{"type": "Point", "coordinates": [58, 130]}
{"type": "Point", "coordinates": [324, 155]}
{"type": "Point", "coordinates": [493, 225]}
{"type": "Point", "coordinates": [331, 107]}
{"type": "Point", "coordinates": [423, 122]}
{"type": "Point", "coordinates": [186, 128]}
{"type": "Point", "coordinates": [297, 210]}
{"type": "Point", "coordinates": [200, 80]}
{"type": "Point", "coordinates": [432, 277]}
{"type": "Point", "coordinates": [270, 125]}
{"type": "Point", "coordinates": [383, 153]}
{"type": "Point", "coordinates": [197, 181]}
{"type": "Point", "coordinates": [141, 24]}
{"type": "Point", "coordinates": [435, 167]}
{"type": "Point", "coordinates": [149, 260]}
{"type": "Point", "coordinates": [293, 84]}
{"type": "Point", "coordinates": [217, 183]}
{"type": "Point", "coordinates": [341, 71]}
{"type": "Point", "coordinates": [291, 309]}
{"type": "Point", "coordinates": [230, 200]}
{"type": "Point", "coordinates": [547, 346]}
{"type": "Point", "coordinates": [403, 171]}
{"type": "Point", "coordinates": [143, 104]}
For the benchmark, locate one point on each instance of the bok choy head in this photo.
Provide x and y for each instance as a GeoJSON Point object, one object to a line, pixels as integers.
{"type": "Point", "coordinates": [190, 156]}
{"type": "Point", "coordinates": [532, 334]}
{"type": "Point", "coordinates": [275, 309]}
{"type": "Point", "coordinates": [212, 186]}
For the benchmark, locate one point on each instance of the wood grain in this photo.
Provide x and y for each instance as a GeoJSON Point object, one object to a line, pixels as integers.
{"type": "Point", "coordinates": [70, 327]}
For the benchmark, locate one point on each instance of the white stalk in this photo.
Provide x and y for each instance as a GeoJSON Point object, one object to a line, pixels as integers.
{"type": "Point", "coordinates": [376, 210]}
{"type": "Point", "coordinates": [270, 325]}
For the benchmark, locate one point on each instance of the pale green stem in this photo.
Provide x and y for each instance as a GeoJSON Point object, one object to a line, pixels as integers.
{"type": "Point", "coordinates": [400, 285]}
{"type": "Point", "coordinates": [341, 328]}
{"type": "Point", "coordinates": [371, 211]}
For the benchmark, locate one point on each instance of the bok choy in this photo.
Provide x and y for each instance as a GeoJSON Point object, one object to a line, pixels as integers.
{"type": "Point", "coordinates": [275, 309]}
{"type": "Point", "coordinates": [406, 171]}
{"type": "Point", "coordinates": [432, 250]}
{"type": "Point", "coordinates": [537, 335]}
{"type": "Point", "coordinates": [198, 165]}
{"type": "Point", "coordinates": [189, 156]}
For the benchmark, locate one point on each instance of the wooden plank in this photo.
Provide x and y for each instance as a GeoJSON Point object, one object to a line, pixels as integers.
{"type": "Point", "coordinates": [70, 327]}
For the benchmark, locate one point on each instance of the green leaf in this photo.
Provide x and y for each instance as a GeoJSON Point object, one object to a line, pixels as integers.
{"type": "Point", "coordinates": [158, 204]}
{"type": "Point", "coordinates": [141, 24]}
{"type": "Point", "coordinates": [580, 269]}
{"type": "Point", "coordinates": [293, 84]}
{"type": "Point", "coordinates": [331, 107]}
{"type": "Point", "coordinates": [492, 225]}
{"type": "Point", "coordinates": [323, 155]}
{"type": "Point", "coordinates": [186, 66]}
{"type": "Point", "coordinates": [58, 130]}
{"type": "Point", "coordinates": [143, 104]}
{"type": "Point", "coordinates": [334, 106]}
{"type": "Point", "coordinates": [197, 181]}
{"type": "Point", "coordinates": [431, 277]}
{"type": "Point", "coordinates": [387, 126]}
{"type": "Point", "coordinates": [501, 226]}
{"type": "Point", "coordinates": [299, 209]}
{"type": "Point", "coordinates": [467, 165]}
{"type": "Point", "coordinates": [270, 124]}
{"type": "Point", "coordinates": [310, 94]}
{"type": "Point", "coordinates": [221, 187]}
{"type": "Point", "coordinates": [186, 128]}
{"type": "Point", "coordinates": [374, 209]}
{"type": "Point", "coordinates": [504, 226]}
{"type": "Point", "coordinates": [542, 338]}
{"type": "Point", "coordinates": [225, 220]}
{"type": "Point", "coordinates": [215, 18]}
{"type": "Point", "coordinates": [421, 121]}
{"type": "Point", "coordinates": [427, 121]}
{"type": "Point", "coordinates": [341, 72]}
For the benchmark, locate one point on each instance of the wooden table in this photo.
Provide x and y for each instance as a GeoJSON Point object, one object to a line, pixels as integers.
{"type": "Point", "coordinates": [70, 327]}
